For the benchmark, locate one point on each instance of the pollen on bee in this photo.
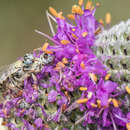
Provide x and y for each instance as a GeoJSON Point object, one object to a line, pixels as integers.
{"type": "Point", "coordinates": [84, 34]}
{"type": "Point", "coordinates": [80, 2]}
{"type": "Point", "coordinates": [82, 88]}
{"type": "Point", "coordinates": [65, 42]}
{"type": "Point", "coordinates": [107, 76]}
{"type": "Point", "coordinates": [115, 103]}
{"type": "Point", "coordinates": [80, 101]}
{"type": "Point", "coordinates": [76, 9]}
{"type": "Point", "coordinates": [127, 88]}
{"type": "Point", "coordinates": [82, 65]}
{"type": "Point", "coordinates": [108, 18]}
{"type": "Point", "coordinates": [71, 16]}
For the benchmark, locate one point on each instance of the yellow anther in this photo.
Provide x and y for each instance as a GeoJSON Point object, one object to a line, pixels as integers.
{"type": "Point", "coordinates": [108, 18]}
{"type": "Point", "coordinates": [109, 100]}
{"type": "Point", "coordinates": [73, 35]}
{"type": "Point", "coordinates": [80, 2]}
{"type": "Point", "coordinates": [98, 103]}
{"type": "Point", "coordinates": [59, 65]}
{"type": "Point", "coordinates": [82, 65]}
{"type": "Point", "coordinates": [84, 34]}
{"type": "Point", "coordinates": [107, 76]}
{"type": "Point", "coordinates": [90, 94]}
{"type": "Point", "coordinates": [127, 88]}
{"type": "Point", "coordinates": [93, 77]}
{"type": "Point", "coordinates": [93, 105]}
{"type": "Point", "coordinates": [77, 50]}
{"type": "Point", "coordinates": [76, 9]}
{"type": "Point", "coordinates": [64, 60]}
{"type": "Point", "coordinates": [128, 126]}
{"type": "Point", "coordinates": [71, 16]}
{"type": "Point", "coordinates": [53, 11]}
{"type": "Point", "coordinates": [82, 88]}
{"type": "Point", "coordinates": [115, 103]}
{"type": "Point", "coordinates": [84, 100]}
{"type": "Point", "coordinates": [73, 29]}
{"type": "Point", "coordinates": [48, 52]}
{"type": "Point", "coordinates": [65, 42]}
{"type": "Point", "coordinates": [89, 5]}
{"type": "Point", "coordinates": [45, 46]}
{"type": "Point", "coordinates": [101, 21]}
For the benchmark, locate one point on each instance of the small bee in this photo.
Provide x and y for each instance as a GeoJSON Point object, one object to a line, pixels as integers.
{"type": "Point", "coordinates": [13, 76]}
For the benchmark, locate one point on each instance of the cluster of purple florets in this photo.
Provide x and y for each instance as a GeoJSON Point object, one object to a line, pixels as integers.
{"type": "Point", "coordinates": [75, 69]}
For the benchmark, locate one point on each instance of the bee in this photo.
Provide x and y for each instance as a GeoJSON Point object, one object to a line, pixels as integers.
{"type": "Point", "coordinates": [13, 76]}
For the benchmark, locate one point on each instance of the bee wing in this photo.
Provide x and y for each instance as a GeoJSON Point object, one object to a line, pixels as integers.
{"type": "Point", "coordinates": [6, 71]}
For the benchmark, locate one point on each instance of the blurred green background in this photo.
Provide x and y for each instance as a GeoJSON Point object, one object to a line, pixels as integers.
{"type": "Point", "coordinates": [19, 18]}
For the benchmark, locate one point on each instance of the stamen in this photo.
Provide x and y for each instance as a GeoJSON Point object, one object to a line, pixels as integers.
{"type": "Point", "coordinates": [77, 50]}
{"type": "Point", "coordinates": [93, 77]}
{"type": "Point", "coordinates": [115, 103]}
{"type": "Point", "coordinates": [82, 88]}
{"type": "Point", "coordinates": [60, 15]}
{"type": "Point", "coordinates": [99, 103]}
{"type": "Point", "coordinates": [82, 65]}
{"type": "Point", "coordinates": [64, 60]}
{"type": "Point", "coordinates": [98, 4]}
{"type": "Point", "coordinates": [65, 42]}
{"type": "Point", "coordinates": [89, 5]}
{"type": "Point", "coordinates": [59, 65]}
{"type": "Point", "coordinates": [128, 126]}
{"type": "Point", "coordinates": [76, 9]}
{"type": "Point", "coordinates": [107, 76]}
{"type": "Point", "coordinates": [127, 88]}
{"type": "Point", "coordinates": [80, 2]}
{"type": "Point", "coordinates": [108, 18]}
{"type": "Point", "coordinates": [84, 34]}
{"type": "Point", "coordinates": [93, 105]}
{"type": "Point", "coordinates": [71, 16]}
{"type": "Point", "coordinates": [84, 100]}
{"type": "Point", "coordinates": [109, 100]}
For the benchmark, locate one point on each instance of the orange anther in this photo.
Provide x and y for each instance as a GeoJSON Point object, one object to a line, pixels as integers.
{"type": "Point", "coordinates": [128, 126]}
{"type": "Point", "coordinates": [73, 35]}
{"type": "Point", "coordinates": [82, 65]}
{"type": "Point", "coordinates": [76, 9]}
{"type": "Point", "coordinates": [115, 103]}
{"type": "Point", "coordinates": [101, 21]}
{"type": "Point", "coordinates": [107, 76]}
{"type": "Point", "coordinates": [64, 42]}
{"type": "Point", "coordinates": [53, 11]}
{"type": "Point", "coordinates": [45, 46]}
{"type": "Point", "coordinates": [82, 88]}
{"type": "Point", "coordinates": [89, 5]}
{"type": "Point", "coordinates": [80, 2]}
{"type": "Point", "coordinates": [64, 60]}
{"type": "Point", "coordinates": [84, 34]}
{"type": "Point", "coordinates": [98, 103]}
{"type": "Point", "coordinates": [127, 88]}
{"type": "Point", "coordinates": [98, 4]}
{"type": "Point", "coordinates": [71, 16]}
{"type": "Point", "coordinates": [108, 18]}
{"type": "Point", "coordinates": [93, 105]}
{"type": "Point", "coordinates": [84, 100]}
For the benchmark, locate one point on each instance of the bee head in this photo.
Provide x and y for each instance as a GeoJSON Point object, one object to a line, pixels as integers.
{"type": "Point", "coordinates": [28, 60]}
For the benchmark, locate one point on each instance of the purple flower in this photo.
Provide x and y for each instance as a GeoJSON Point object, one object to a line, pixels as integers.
{"type": "Point", "coordinates": [52, 96]}
{"type": "Point", "coordinates": [38, 123]}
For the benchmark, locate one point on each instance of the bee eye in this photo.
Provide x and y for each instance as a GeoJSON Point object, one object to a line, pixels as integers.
{"type": "Point", "coordinates": [46, 56]}
{"type": "Point", "coordinates": [28, 59]}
